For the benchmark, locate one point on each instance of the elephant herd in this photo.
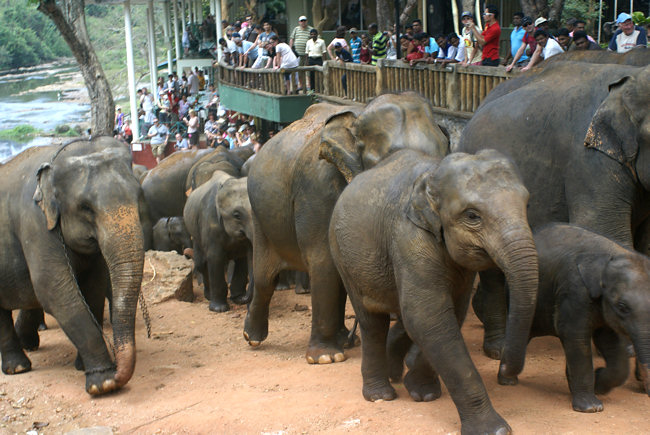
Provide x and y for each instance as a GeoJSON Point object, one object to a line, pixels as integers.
{"type": "Point", "coordinates": [547, 198]}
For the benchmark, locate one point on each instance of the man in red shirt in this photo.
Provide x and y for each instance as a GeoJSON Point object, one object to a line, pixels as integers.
{"type": "Point", "coordinates": [489, 39]}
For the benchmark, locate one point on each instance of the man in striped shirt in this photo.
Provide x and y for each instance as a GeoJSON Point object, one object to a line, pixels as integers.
{"type": "Point", "coordinates": [299, 38]}
{"type": "Point", "coordinates": [379, 42]}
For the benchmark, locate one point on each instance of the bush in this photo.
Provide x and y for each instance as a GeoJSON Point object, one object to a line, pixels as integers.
{"type": "Point", "coordinates": [20, 133]}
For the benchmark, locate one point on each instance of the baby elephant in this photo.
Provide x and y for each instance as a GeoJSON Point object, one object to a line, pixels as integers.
{"type": "Point", "coordinates": [170, 234]}
{"type": "Point", "coordinates": [218, 216]}
{"type": "Point", "coordinates": [592, 288]}
{"type": "Point", "coordinates": [408, 237]}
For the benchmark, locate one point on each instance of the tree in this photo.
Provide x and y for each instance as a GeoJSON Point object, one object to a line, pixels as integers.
{"type": "Point", "coordinates": [386, 13]}
{"type": "Point", "coordinates": [544, 8]}
{"type": "Point", "coordinates": [69, 18]}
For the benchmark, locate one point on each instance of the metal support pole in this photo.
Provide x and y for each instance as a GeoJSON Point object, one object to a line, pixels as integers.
{"type": "Point", "coordinates": [217, 20]}
{"type": "Point", "coordinates": [130, 69]}
{"type": "Point", "coordinates": [167, 33]}
{"type": "Point", "coordinates": [398, 46]}
{"type": "Point", "coordinates": [600, 19]}
{"type": "Point", "coordinates": [177, 40]}
{"type": "Point", "coordinates": [153, 62]}
{"type": "Point", "coordinates": [183, 22]}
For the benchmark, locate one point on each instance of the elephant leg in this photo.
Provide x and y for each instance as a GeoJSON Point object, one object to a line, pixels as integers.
{"type": "Point", "coordinates": [239, 281]}
{"type": "Point", "coordinates": [266, 266]}
{"type": "Point", "coordinates": [437, 333]}
{"type": "Point", "coordinates": [422, 381]}
{"type": "Point", "coordinates": [327, 326]}
{"type": "Point", "coordinates": [642, 238]}
{"type": "Point", "coordinates": [580, 369]}
{"type": "Point", "coordinates": [613, 348]}
{"type": "Point", "coordinates": [217, 282]}
{"type": "Point", "coordinates": [285, 280]}
{"type": "Point", "coordinates": [14, 360]}
{"type": "Point", "coordinates": [302, 283]}
{"type": "Point", "coordinates": [398, 344]}
{"type": "Point", "coordinates": [490, 304]}
{"type": "Point", "coordinates": [27, 326]}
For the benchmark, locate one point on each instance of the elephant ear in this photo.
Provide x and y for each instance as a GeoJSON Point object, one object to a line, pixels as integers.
{"type": "Point", "coordinates": [44, 195]}
{"type": "Point", "coordinates": [614, 126]}
{"type": "Point", "coordinates": [338, 145]}
{"type": "Point", "coordinates": [422, 207]}
{"type": "Point", "coordinates": [590, 268]}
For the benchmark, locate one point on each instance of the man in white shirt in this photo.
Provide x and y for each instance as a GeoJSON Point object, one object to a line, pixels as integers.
{"type": "Point", "coordinates": [284, 58]}
{"type": "Point", "coordinates": [546, 47]}
{"type": "Point", "coordinates": [315, 49]}
{"type": "Point", "coordinates": [193, 83]}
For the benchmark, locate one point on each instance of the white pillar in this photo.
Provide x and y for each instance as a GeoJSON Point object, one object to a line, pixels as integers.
{"type": "Point", "coordinates": [182, 11]}
{"type": "Point", "coordinates": [217, 18]}
{"type": "Point", "coordinates": [167, 32]}
{"type": "Point", "coordinates": [212, 12]}
{"type": "Point", "coordinates": [199, 11]}
{"type": "Point", "coordinates": [130, 69]}
{"type": "Point", "coordinates": [153, 62]}
{"type": "Point", "coordinates": [177, 41]}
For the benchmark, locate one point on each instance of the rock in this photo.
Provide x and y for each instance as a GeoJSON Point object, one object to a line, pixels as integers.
{"type": "Point", "coordinates": [62, 128]}
{"type": "Point", "coordinates": [95, 430]}
{"type": "Point", "coordinates": [167, 275]}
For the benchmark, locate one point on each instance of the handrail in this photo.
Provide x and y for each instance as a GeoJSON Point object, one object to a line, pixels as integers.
{"type": "Point", "coordinates": [452, 87]}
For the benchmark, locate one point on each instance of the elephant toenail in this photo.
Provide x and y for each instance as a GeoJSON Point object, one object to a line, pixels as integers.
{"type": "Point", "coordinates": [108, 385]}
{"type": "Point", "coordinates": [310, 360]}
{"type": "Point", "coordinates": [324, 359]}
{"type": "Point", "coordinates": [93, 389]}
{"type": "Point", "coordinates": [339, 357]}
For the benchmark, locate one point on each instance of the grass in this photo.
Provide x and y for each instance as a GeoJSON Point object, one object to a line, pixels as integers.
{"type": "Point", "coordinates": [20, 133]}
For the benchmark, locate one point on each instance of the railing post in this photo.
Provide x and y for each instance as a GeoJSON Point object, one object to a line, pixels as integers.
{"type": "Point", "coordinates": [379, 74]}
{"type": "Point", "coordinates": [453, 89]}
{"type": "Point", "coordinates": [326, 78]}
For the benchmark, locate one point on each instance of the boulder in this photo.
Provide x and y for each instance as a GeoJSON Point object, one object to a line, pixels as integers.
{"type": "Point", "coordinates": [167, 275]}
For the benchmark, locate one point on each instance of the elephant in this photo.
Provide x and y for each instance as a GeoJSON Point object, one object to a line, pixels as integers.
{"type": "Point", "coordinates": [579, 134]}
{"type": "Point", "coordinates": [218, 217]}
{"type": "Point", "coordinates": [140, 171]}
{"type": "Point", "coordinates": [293, 183]}
{"type": "Point", "coordinates": [407, 238]}
{"type": "Point", "coordinates": [170, 234]}
{"type": "Point", "coordinates": [71, 235]}
{"type": "Point", "coordinates": [221, 159]}
{"type": "Point", "coordinates": [592, 288]}
{"type": "Point", "coordinates": [638, 56]}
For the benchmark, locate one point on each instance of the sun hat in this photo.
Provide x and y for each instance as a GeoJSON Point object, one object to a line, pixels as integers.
{"type": "Point", "coordinates": [539, 21]}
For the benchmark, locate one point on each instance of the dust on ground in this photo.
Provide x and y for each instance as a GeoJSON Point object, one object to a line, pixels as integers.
{"type": "Point", "coordinates": [198, 375]}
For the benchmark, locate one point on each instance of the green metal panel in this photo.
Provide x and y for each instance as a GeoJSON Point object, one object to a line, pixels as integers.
{"type": "Point", "coordinates": [277, 108]}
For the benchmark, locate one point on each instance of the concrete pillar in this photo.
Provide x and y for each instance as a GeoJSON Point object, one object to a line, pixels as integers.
{"type": "Point", "coordinates": [183, 19]}
{"type": "Point", "coordinates": [177, 39]}
{"type": "Point", "coordinates": [151, 45]}
{"type": "Point", "coordinates": [167, 32]}
{"type": "Point", "coordinates": [212, 12]}
{"type": "Point", "coordinates": [130, 69]}
{"type": "Point", "coordinates": [217, 18]}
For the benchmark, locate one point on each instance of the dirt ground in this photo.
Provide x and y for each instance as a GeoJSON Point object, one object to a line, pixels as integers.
{"type": "Point", "coordinates": [198, 375]}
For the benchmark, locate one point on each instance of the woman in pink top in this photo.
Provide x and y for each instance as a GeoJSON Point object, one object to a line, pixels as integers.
{"type": "Point", "coordinates": [340, 38]}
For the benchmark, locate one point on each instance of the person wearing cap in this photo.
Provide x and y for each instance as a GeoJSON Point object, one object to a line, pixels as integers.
{"type": "Point", "coordinates": [355, 45]}
{"type": "Point", "coordinates": [489, 39]}
{"type": "Point", "coordinates": [627, 36]}
{"type": "Point", "coordinates": [472, 52]}
{"type": "Point", "coordinates": [517, 35]}
{"type": "Point", "coordinates": [541, 23]}
{"type": "Point", "coordinates": [298, 39]}
{"type": "Point", "coordinates": [546, 47]}
{"type": "Point", "coordinates": [315, 49]}
{"type": "Point", "coordinates": [527, 40]}
{"type": "Point", "coordinates": [158, 135]}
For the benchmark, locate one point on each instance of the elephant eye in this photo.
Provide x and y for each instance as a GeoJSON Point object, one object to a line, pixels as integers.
{"type": "Point", "coordinates": [236, 214]}
{"type": "Point", "coordinates": [622, 307]}
{"type": "Point", "coordinates": [472, 216]}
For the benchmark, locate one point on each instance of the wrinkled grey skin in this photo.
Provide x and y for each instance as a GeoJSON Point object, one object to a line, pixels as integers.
{"type": "Point", "coordinates": [221, 159]}
{"type": "Point", "coordinates": [407, 238]}
{"type": "Point", "coordinates": [140, 171]}
{"type": "Point", "coordinates": [86, 193]}
{"type": "Point", "coordinates": [218, 217]}
{"type": "Point", "coordinates": [293, 192]}
{"type": "Point", "coordinates": [583, 148]}
{"type": "Point", "coordinates": [170, 234]}
{"type": "Point", "coordinates": [592, 288]}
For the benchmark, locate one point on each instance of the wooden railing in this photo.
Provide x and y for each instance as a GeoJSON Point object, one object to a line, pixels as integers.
{"type": "Point", "coordinates": [453, 87]}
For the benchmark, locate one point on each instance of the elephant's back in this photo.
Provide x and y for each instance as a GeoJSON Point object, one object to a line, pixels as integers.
{"type": "Point", "coordinates": [200, 202]}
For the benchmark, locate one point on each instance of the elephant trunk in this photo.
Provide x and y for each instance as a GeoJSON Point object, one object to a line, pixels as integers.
{"type": "Point", "coordinates": [122, 244]}
{"type": "Point", "coordinates": [517, 257]}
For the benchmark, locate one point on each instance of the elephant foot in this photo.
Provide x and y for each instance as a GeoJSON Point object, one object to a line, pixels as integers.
{"type": "Point", "coordinates": [379, 390]}
{"type": "Point", "coordinates": [255, 332]}
{"type": "Point", "coordinates": [421, 387]}
{"type": "Point", "coordinates": [282, 286]}
{"type": "Point", "coordinates": [395, 367]}
{"type": "Point", "coordinates": [320, 353]}
{"type": "Point", "coordinates": [586, 403]}
{"type": "Point", "coordinates": [100, 381]}
{"type": "Point", "coordinates": [79, 363]}
{"type": "Point", "coordinates": [219, 307]}
{"type": "Point", "coordinates": [492, 424]}
{"type": "Point", "coordinates": [606, 379]}
{"type": "Point", "coordinates": [348, 339]}
{"type": "Point", "coordinates": [493, 347]}
{"type": "Point", "coordinates": [300, 290]}
{"type": "Point", "coordinates": [14, 362]}
{"type": "Point", "coordinates": [240, 299]}
{"type": "Point", "coordinates": [29, 340]}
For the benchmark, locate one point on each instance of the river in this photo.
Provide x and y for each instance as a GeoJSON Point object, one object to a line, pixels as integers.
{"type": "Point", "coordinates": [44, 97]}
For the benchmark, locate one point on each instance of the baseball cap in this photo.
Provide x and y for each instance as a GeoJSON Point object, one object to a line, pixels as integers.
{"type": "Point", "coordinates": [466, 14]}
{"type": "Point", "coordinates": [623, 17]}
{"type": "Point", "coordinates": [236, 35]}
{"type": "Point", "coordinates": [526, 21]}
{"type": "Point", "coordinates": [353, 30]}
{"type": "Point", "coordinates": [337, 45]}
{"type": "Point", "coordinates": [231, 129]}
{"type": "Point", "coordinates": [539, 21]}
{"type": "Point", "coordinates": [302, 18]}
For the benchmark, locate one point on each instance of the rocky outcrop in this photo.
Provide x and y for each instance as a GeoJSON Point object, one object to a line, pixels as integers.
{"type": "Point", "coordinates": [167, 275]}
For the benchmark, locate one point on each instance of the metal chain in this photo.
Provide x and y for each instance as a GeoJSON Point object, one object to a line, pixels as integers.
{"type": "Point", "coordinates": [83, 299]}
{"type": "Point", "coordinates": [145, 313]}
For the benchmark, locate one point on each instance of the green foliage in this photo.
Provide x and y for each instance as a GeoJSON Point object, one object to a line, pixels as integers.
{"type": "Point", "coordinates": [580, 9]}
{"type": "Point", "coordinates": [27, 37]}
{"type": "Point", "coordinates": [640, 19]}
{"type": "Point", "coordinates": [20, 133]}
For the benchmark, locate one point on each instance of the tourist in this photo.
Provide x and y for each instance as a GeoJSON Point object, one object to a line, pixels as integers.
{"type": "Point", "coordinates": [193, 132]}
{"type": "Point", "coordinates": [284, 58]}
{"type": "Point", "coordinates": [473, 52]}
{"type": "Point", "coordinates": [119, 119]}
{"type": "Point", "coordinates": [517, 35]}
{"type": "Point", "coordinates": [627, 36]}
{"type": "Point", "coordinates": [158, 135]}
{"type": "Point", "coordinates": [364, 54]}
{"type": "Point", "coordinates": [379, 43]}
{"type": "Point", "coordinates": [181, 142]}
{"type": "Point", "coordinates": [489, 38]}
{"type": "Point", "coordinates": [315, 49]}
{"type": "Point", "coordinates": [339, 38]}
{"type": "Point", "coordinates": [355, 45]}
{"type": "Point", "coordinates": [528, 40]}
{"type": "Point", "coordinates": [546, 48]}
{"type": "Point", "coordinates": [298, 39]}
{"type": "Point", "coordinates": [581, 42]}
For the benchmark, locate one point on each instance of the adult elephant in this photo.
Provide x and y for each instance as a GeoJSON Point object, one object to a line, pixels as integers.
{"type": "Point", "coordinates": [580, 134]}
{"type": "Point", "coordinates": [70, 234]}
{"type": "Point", "coordinates": [221, 159]}
{"type": "Point", "coordinates": [293, 192]}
